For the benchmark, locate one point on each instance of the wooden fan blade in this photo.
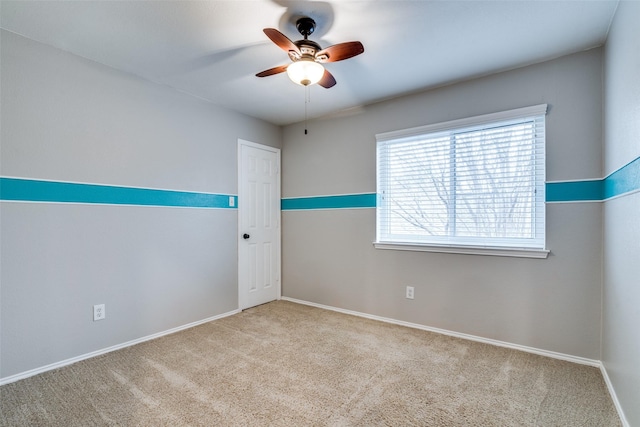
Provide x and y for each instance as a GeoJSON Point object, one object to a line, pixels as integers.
{"type": "Point", "coordinates": [281, 40]}
{"type": "Point", "coordinates": [327, 80]}
{"type": "Point", "coordinates": [271, 71]}
{"type": "Point", "coordinates": [339, 52]}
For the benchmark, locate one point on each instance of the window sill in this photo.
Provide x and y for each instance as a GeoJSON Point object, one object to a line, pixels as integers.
{"type": "Point", "coordinates": [467, 250]}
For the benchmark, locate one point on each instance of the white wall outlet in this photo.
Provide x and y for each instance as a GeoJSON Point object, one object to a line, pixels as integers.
{"type": "Point", "coordinates": [232, 201]}
{"type": "Point", "coordinates": [99, 312]}
{"type": "Point", "coordinates": [409, 293]}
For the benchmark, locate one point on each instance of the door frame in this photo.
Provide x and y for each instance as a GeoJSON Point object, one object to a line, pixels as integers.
{"type": "Point", "coordinates": [242, 301]}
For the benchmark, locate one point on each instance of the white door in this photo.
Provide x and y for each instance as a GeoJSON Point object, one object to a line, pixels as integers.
{"type": "Point", "coordinates": [259, 224]}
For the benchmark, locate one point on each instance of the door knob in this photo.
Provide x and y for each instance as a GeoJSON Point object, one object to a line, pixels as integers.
{"type": "Point", "coordinates": [245, 236]}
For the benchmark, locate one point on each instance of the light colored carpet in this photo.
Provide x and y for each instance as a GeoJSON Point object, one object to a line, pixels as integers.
{"type": "Point", "coordinates": [285, 364]}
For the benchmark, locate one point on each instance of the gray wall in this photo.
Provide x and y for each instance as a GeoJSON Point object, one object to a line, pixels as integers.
{"type": "Point", "coordinates": [552, 304]}
{"type": "Point", "coordinates": [621, 325]}
{"type": "Point", "coordinates": [156, 268]}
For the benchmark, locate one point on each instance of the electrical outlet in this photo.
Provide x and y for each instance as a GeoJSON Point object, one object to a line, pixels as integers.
{"type": "Point", "coordinates": [409, 293]}
{"type": "Point", "coordinates": [99, 312]}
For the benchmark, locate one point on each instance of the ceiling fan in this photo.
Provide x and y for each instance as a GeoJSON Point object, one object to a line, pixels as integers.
{"type": "Point", "coordinates": [307, 56]}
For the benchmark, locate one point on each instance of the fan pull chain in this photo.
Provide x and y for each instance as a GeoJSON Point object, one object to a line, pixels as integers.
{"type": "Point", "coordinates": [307, 99]}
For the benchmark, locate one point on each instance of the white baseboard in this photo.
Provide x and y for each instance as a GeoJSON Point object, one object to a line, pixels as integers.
{"type": "Point", "coordinates": [553, 354]}
{"type": "Point", "coordinates": [56, 365]}
{"type": "Point", "coordinates": [614, 397]}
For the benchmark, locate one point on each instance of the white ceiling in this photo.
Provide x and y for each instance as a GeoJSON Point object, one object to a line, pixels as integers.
{"type": "Point", "coordinates": [212, 49]}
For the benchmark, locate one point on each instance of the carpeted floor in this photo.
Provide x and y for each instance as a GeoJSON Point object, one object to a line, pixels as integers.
{"type": "Point", "coordinates": [285, 364]}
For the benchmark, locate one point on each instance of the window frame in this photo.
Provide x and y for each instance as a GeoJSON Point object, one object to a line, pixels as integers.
{"type": "Point", "coordinates": [465, 248]}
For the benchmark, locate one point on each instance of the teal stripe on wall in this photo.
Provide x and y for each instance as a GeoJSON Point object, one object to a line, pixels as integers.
{"type": "Point", "coordinates": [624, 180]}
{"type": "Point", "coordinates": [574, 191]}
{"type": "Point", "coordinates": [346, 201]}
{"type": "Point", "coordinates": [17, 189]}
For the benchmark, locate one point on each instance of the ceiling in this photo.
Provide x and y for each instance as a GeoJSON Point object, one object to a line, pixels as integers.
{"type": "Point", "coordinates": [213, 49]}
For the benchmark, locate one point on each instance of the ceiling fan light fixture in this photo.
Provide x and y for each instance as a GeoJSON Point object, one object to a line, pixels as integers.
{"type": "Point", "coordinates": [308, 57]}
{"type": "Point", "coordinates": [305, 72]}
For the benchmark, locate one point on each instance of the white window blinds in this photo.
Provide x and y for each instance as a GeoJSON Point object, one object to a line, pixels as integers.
{"type": "Point", "coordinates": [476, 182]}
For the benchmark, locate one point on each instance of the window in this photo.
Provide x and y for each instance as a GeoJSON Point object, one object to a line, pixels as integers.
{"type": "Point", "coordinates": [467, 186]}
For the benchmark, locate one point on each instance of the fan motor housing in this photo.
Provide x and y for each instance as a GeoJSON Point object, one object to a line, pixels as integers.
{"type": "Point", "coordinates": [308, 49]}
